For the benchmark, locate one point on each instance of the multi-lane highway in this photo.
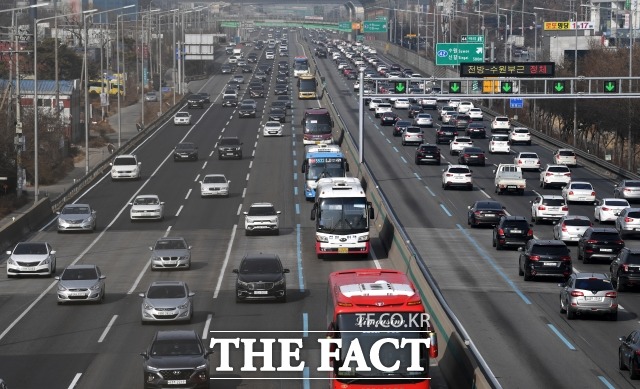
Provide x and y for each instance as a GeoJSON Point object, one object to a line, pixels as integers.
{"type": "Point", "coordinates": [516, 325]}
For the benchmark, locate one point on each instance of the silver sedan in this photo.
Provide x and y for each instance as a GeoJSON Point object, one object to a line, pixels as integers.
{"type": "Point", "coordinates": [571, 227]}
{"type": "Point", "coordinates": [76, 217]}
{"type": "Point", "coordinates": [167, 301]}
{"type": "Point", "coordinates": [170, 253]}
{"type": "Point", "coordinates": [81, 283]}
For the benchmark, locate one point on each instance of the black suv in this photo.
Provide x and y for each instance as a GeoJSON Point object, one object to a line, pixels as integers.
{"type": "Point", "coordinates": [195, 101]}
{"type": "Point", "coordinates": [445, 134]}
{"type": "Point", "coordinates": [229, 147]}
{"type": "Point", "coordinates": [428, 153]}
{"type": "Point", "coordinates": [625, 269]}
{"type": "Point", "coordinates": [256, 90]}
{"type": "Point", "coordinates": [176, 356]}
{"type": "Point", "coordinates": [512, 231]}
{"type": "Point", "coordinates": [544, 258]}
{"type": "Point", "coordinates": [185, 151]}
{"type": "Point", "coordinates": [599, 243]}
{"type": "Point", "coordinates": [261, 276]}
{"type": "Point", "coordinates": [321, 53]}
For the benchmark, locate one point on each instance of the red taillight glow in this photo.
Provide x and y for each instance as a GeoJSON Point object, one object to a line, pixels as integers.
{"type": "Point", "coordinates": [611, 294]}
{"type": "Point", "coordinates": [576, 293]}
{"type": "Point", "coordinates": [625, 268]}
{"type": "Point", "coordinates": [541, 207]}
{"type": "Point", "coordinates": [591, 241]}
{"type": "Point", "coordinates": [566, 258]}
{"type": "Point", "coordinates": [466, 155]}
{"type": "Point", "coordinates": [548, 174]}
{"type": "Point", "coordinates": [534, 258]}
{"type": "Point", "coordinates": [605, 208]}
{"type": "Point", "coordinates": [500, 231]}
{"type": "Point", "coordinates": [571, 192]}
{"type": "Point", "coordinates": [564, 227]}
{"type": "Point", "coordinates": [628, 219]}
{"type": "Point", "coordinates": [530, 233]}
{"type": "Point", "coordinates": [593, 194]}
{"type": "Point", "coordinates": [565, 208]}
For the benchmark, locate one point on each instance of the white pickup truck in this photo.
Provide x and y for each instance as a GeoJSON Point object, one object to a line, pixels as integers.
{"type": "Point", "coordinates": [509, 179]}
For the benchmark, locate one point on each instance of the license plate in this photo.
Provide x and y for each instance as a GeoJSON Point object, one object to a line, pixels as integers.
{"type": "Point", "coordinates": [30, 268]}
{"type": "Point", "coordinates": [516, 231]}
{"type": "Point", "coordinates": [76, 294]}
{"type": "Point", "coordinates": [606, 250]}
{"type": "Point", "coordinates": [511, 187]}
{"type": "Point", "coordinates": [260, 292]}
{"type": "Point", "coordinates": [164, 313]}
{"type": "Point", "coordinates": [582, 198]}
{"type": "Point", "coordinates": [593, 298]}
{"type": "Point", "coordinates": [176, 382]}
{"type": "Point", "coordinates": [489, 214]}
{"type": "Point", "coordinates": [343, 250]}
{"type": "Point", "coordinates": [550, 264]}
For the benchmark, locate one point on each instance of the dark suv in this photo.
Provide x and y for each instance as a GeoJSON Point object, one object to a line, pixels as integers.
{"type": "Point", "coordinates": [195, 101]}
{"type": "Point", "coordinates": [445, 134]}
{"type": "Point", "coordinates": [176, 357]}
{"type": "Point", "coordinates": [230, 147]}
{"type": "Point", "coordinates": [428, 153]}
{"type": "Point", "coordinates": [261, 276]}
{"type": "Point", "coordinates": [544, 258]}
{"type": "Point", "coordinates": [599, 243]}
{"type": "Point", "coordinates": [625, 269]}
{"type": "Point", "coordinates": [512, 231]}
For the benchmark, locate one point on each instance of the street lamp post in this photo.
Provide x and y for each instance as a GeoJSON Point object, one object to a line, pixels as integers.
{"type": "Point", "coordinates": [575, 70]}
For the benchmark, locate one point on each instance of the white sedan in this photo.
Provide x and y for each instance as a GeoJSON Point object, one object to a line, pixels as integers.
{"type": "Point", "coordinates": [272, 128]}
{"type": "Point", "coordinates": [475, 114]}
{"type": "Point", "coordinates": [608, 209]}
{"type": "Point", "coordinates": [146, 207]}
{"type": "Point", "coordinates": [401, 103]}
{"type": "Point", "coordinates": [579, 191]}
{"type": "Point", "coordinates": [182, 118]}
{"type": "Point", "coordinates": [458, 143]}
{"type": "Point", "coordinates": [527, 160]}
{"type": "Point", "coordinates": [214, 185]}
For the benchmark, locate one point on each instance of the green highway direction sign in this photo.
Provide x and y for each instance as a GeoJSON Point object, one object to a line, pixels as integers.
{"type": "Point", "coordinates": [230, 24]}
{"type": "Point", "coordinates": [344, 26]}
{"type": "Point", "coordinates": [375, 26]}
{"type": "Point", "coordinates": [455, 53]}
{"type": "Point", "coordinates": [472, 39]}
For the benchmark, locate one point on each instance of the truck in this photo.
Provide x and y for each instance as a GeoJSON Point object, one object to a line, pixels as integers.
{"type": "Point", "coordinates": [509, 179]}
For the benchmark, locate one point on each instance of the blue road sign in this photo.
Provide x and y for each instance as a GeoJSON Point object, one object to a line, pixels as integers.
{"type": "Point", "coordinates": [516, 103]}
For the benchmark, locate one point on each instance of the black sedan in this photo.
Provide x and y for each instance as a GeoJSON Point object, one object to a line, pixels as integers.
{"type": "Point", "coordinates": [281, 89]}
{"type": "Point", "coordinates": [185, 151]}
{"type": "Point", "coordinates": [484, 212]}
{"type": "Point", "coordinates": [476, 130]}
{"type": "Point", "coordinates": [389, 118]}
{"type": "Point", "coordinates": [400, 127]}
{"type": "Point", "coordinates": [277, 114]}
{"type": "Point", "coordinates": [471, 156]}
{"type": "Point", "coordinates": [629, 354]}
{"type": "Point", "coordinates": [414, 109]}
{"type": "Point", "coordinates": [247, 111]}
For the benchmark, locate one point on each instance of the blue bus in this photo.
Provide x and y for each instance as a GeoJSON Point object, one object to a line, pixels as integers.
{"type": "Point", "coordinates": [322, 161]}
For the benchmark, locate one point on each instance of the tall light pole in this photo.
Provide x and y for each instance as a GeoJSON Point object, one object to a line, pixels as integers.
{"type": "Point", "coordinates": [505, 33]}
{"type": "Point", "coordinates": [86, 80]}
{"type": "Point", "coordinates": [575, 70]}
{"type": "Point", "coordinates": [36, 176]}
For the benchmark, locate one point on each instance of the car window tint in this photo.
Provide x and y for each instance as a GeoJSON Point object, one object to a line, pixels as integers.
{"type": "Point", "coordinates": [261, 211]}
{"type": "Point", "coordinates": [500, 138]}
{"type": "Point", "coordinates": [634, 214]}
{"type": "Point", "coordinates": [558, 169]}
{"type": "Point", "coordinates": [261, 265]}
{"type": "Point", "coordinates": [528, 155]}
{"type": "Point", "coordinates": [633, 258]}
{"type": "Point", "coordinates": [632, 184]}
{"type": "Point", "coordinates": [594, 284]}
{"type": "Point", "coordinates": [30, 248]}
{"type": "Point", "coordinates": [610, 236]}
{"type": "Point", "coordinates": [582, 186]}
{"type": "Point", "coordinates": [166, 292]}
{"type": "Point", "coordinates": [554, 202]}
{"type": "Point", "coordinates": [617, 203]}
{"type": "Point", "coordinates": [458, 170]}
{"type": "Point", "coordinates": [549, 250]}
{"type": "Point", "coordinates": [577, 222]}
{"type": "Point", "coordinates": [124, 161]}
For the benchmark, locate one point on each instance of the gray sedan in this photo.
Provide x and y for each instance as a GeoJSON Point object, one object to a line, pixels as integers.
{"type": "Point", "coordinates": [81, 283]}
{"type": "Point", "coordinates": [76, 217]}
{"type": "Point", "coordinates": [170, 253]}
{"type": "Point", "coordinates": [167, 301]}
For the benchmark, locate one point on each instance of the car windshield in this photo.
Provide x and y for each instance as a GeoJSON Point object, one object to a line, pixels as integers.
{"type": "Point", "coordinates": [272, 125]}
{"type": "Point", "coordinates": [403, 123]}
{"type": "Point", "coordinates": [182, 114]}
{"type": "Point", "coordinates": [554, 202]}
{"type": "Point", "coordinates": [549, 250]}
{"type": "Point", "coordinates": [229, 142]}
{"type": "Point", "coordinates": [260, 265]}
{"type": "Point", "coordinates": [500, 139]}
{"type": "Point", "coordinates": [124, 161]}
{"type": "Point", "coordinates": [176, 347]}
{"type": "Point", "coordinates": [472, 150]}
{"type": "Point", "coordinates": [528, 155]}
{"type": "Point", "coordinates": [166, 292]}
{"type": "Point", "coordinates": [246, 106]}
{"type": "Point", "coordinates": [146, 201]}
{"type": "Point", "coordinates": [262, 211]}
{"type": "Point", "coordinates": [170, 244]}
{"type": "Point", "coordinates": [582, 186]}
{"type": "Point", "coordinates": [617, 203]}
{"type": "Point", "coordinates": [593, 284]}
{"type": "Point", "coordinates": [30, 248]}
{"type": "Point", "coordinates": [609, 236]}
{"type": "Point", "coordinates": [634, 214]}
{"type": "Point", "coordinates": [577, 222]}
{"type": "Point", "coordinates": [75, 210]}
{"type": "Point", "coordinates": [79, 274]}
{"type": "Point", "coordinates": [458, 170]}
{"type": "Point", "coordinates": [523, 131]}
{"type": "Point", "coordinates": [633, 258]}
{"type": "Point", "coordinates": [521, 224]}
{"type": "Point", "coordinates": [185, 146]}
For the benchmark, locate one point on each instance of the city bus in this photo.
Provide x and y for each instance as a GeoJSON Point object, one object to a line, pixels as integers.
{"type": "Point", "coordinates": [317, 126]}
{"type": "Point", "coordinates": [373, 307]}
{"type": "Point", "coordinates": [307, 86]}
{"type": "Point", "coordinates": [300, 66]}
{"type": "Point", "coordinates": [322, 161]}
{"type": "Point", "coordinates": [341, 213]}
{"type": "Point", "coordinates": [113, 87]}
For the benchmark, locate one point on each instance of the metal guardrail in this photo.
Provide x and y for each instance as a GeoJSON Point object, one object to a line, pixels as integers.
{"type": "Point", "coordinates": [426, 273]}
{"type": "Point", "coordinates": [102, 167]}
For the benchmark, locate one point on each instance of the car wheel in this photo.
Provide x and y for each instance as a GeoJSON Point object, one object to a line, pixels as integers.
{"type": "Point", "coordinates": [570, 314]}
{"type": "Point", "coordinates": [527, 275]}
{"type": "Point", "coordinates": [621, 365]}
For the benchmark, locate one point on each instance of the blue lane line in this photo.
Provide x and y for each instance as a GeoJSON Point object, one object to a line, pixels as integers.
{"type": "Point", "coordinates": [403, 160]}
{"type": "Point", "coordinates": [305, 378]}
{"type": "Point", "coordinates": [299, 255]}
{"type": "Point", "coordinates": [295, 190]}
{"type": "Point", "coordinates": [417, 176]}
{"type": "Point", "coordinates": [498, 270]}
{"type": "Point", "coordinates": [445, 210]}
{"type": "Point", "coordinates": [297, 209]}
{"type": "Point", "coordinates": [305, 324]}
{"type": "Point", "coordinates": [559, 335]}
{"type": "Point", "coordinates": [430, 191]}
{"type": "Point", "coordinates": [605, 382]}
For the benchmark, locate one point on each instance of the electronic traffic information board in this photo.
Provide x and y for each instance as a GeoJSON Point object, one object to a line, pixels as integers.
{"type": "Point", "coordinates": [508, 69]}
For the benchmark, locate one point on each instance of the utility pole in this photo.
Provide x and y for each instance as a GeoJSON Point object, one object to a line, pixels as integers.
{"type": "Point", "coordinates": [19, 141]}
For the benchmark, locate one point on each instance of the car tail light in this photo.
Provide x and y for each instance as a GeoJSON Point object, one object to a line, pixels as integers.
{"type": "Point", "coordinates": [467, 175]}
{"type": "Point", "coordinates": [530, 233]}
{"type": "Point", "coordinates": [500, 231]}
{"type": "Point", "coordinates": [548, 174]}
{"type": "Point", "coordinates": [605, 208]}
{"type": "Point", "coordinates": [619, 242]}
{"type": "Point", "coordinates": [576, 293]}
{"type": "Point", "coordinates": [565, 258]}
{"type": "Point", "coordinates": [627, 190]}
{"type": "Point", "coordinates": [564, 227]}
{"type": "Point", "coordinates": [541, 207]}
{"type": "Point", "coordinates": [534, 258]}
{"type": "Point", "coordinates": [492, 142]}
{"type": "Point", "coordinates": [478, 213]}
{"type": "Point", "coordinates": [449, 175]}
{"type": "Point", "coordinates": [565, 208]}
{"type": "Point", "coordinates": [593, 194]}
{"type": "Point", "coordinates": [625, 268]}
{"type": "Point", "coordinates": [591, 241]}
{"type": "Point", "coordinates": [628, 219]}
{"type": "Point", "coordinates": [611, 294]}
{"type": "Point", "coordinates": [519, 162]}
{"type": "Point", "coordinates": [571, 192]}
{"type": "Point", "coordinates": [567, 174]}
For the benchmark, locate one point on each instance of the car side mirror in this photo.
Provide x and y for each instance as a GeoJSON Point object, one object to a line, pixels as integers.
{"type": "Point", "coordinates": [150, 248]}
{"type": "Point", "coordinates": [141, 294]}
{"type": "Point", "coordinates": [494, 171]}
{"type": "Point", "coordinates": [278, 212]}
{"type": "Point", "coordinates": [57, 212]}
{"type": "Point", "coordinates": [285, 270]}
{"type": "Point", "coordinates": [622, 338]}
{"type": "Point", "coordinates": [191, 294]}
{"type": "Point", "coordinates": [561, 285]}
{"type": "Point", "coordinates": [145, 355]}
{"type": "Point", "coordinates": [235, 271]}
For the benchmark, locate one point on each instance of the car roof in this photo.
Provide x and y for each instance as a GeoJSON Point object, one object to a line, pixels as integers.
{"type": "Point", "coordinates": [554, 165]}
{"type": "Point", "coordinates": [604, 229]}
{"type": "Point", "coordinates": [261, 205]}
{"type": "Point", "coordinates": [126, 156]}
{"type": "Point", "coordinates": [548, 242]}
{"type": "Point", "coordinates": [166, 282]}
{"type": "Point", "coordinates": [576, 217]}
{"type": "Point", "coordinates": [147, 196]}
{"type": "Point", "coordinates": [255, 256]}
{"type": "Point", "coordinates": [458, 166]}
{"type": "Point", "coordinates": [81, 266]}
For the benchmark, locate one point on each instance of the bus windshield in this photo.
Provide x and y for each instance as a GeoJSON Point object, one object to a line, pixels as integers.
{"type": "Point", "coordinates": [343, 215]}
{"type": "Point", "coordinates": [366, 335]}
{"type": "Point", "coordinates": [317, 124]}
{"type": "Point", "coordinates": [324, 168]}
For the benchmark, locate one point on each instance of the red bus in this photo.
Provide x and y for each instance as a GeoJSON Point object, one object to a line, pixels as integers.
{"type": "Point", "coordinates": [378, 310]}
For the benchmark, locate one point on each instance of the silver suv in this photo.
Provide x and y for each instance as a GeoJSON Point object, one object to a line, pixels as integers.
{"type": "Point", "coordinates": [262, 217]}
{"type": "Point", "coordinates": [412, 135]}
{"type": "Point", "coordinates": [588, 293]}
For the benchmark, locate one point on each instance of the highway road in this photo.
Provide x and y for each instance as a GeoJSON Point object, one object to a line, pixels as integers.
{"type": "Point", "coordinates": [516, 325]}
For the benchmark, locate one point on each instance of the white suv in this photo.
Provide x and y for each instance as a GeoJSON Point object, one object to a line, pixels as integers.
{"type": "Point", "coordinates": [457, 175]}
{"type": "Point", "coordinates": [262, 217]}
{"type": "Point", "coordinates": [458, 143]}
{"type": "Point", "coordinates": [125, 166]}
{"type": "Point", "coordinates": [548, 207]}
{"type": "Point", "coordinates": [520, 135]}
{"type": "Point", "coordinates": [465, 106]}
{"type": "Point", "coordinates": [501, 124]}
{"type": "Point", "coordinates": [499, 144]}
{"type": "Point", "coordinates": [555, 175]}
{"type": "Point", "coordinates": [565, 157]}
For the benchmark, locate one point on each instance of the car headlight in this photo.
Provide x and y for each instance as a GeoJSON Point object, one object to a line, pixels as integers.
{"type": "Point", "coordinates": [147, 306]}
{"type": "Point", "coordinates": [61, 288]}
{"type": "Point", "coordinates": [46, 261]}
{"type": "Point", "coordinates": [10, 261]}
{"type": "Point", "coordinates": [152, 369]}
{"type": "Point", "coordinates": [184, 306]}
{"type": "Point", "coordinates": [322, 238]}
{"type": "Point", "coordinates": [183, 258]}
{"type": "Point", "coordinates": [249, 219]}
{"type": "Point", "coordinates": [280, 282]}
{"type": "Point", "coordinates": [95, 287]}
{"type": "Point", "coordinates": [200, 367]}
{"type": "Point", "coordinates": [363, 238]}
{"type": "Point", "coordinates": [243, 284]}
{"type": "Point", "coordinates": [155, 258]}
